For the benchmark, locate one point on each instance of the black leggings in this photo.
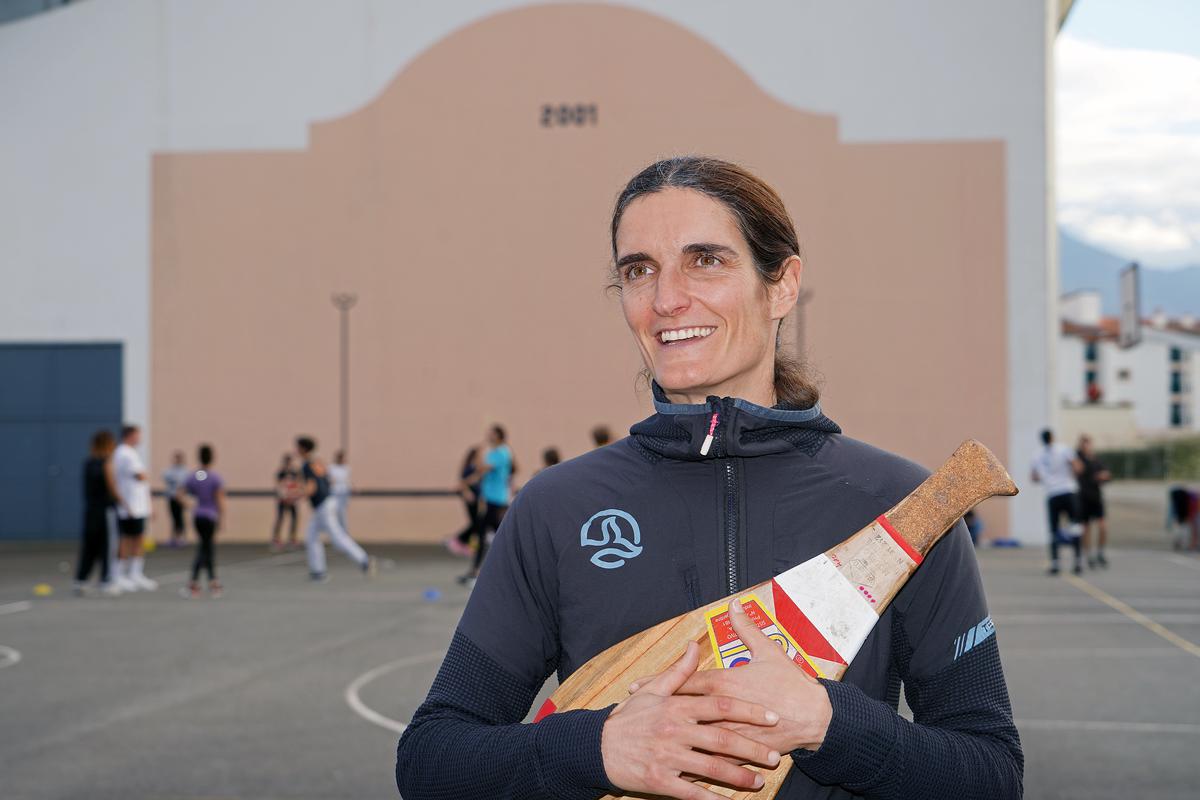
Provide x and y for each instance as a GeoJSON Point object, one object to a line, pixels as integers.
{"type": "Point", "coordinates": [94, 546]}
{"type": "Point", "coordinates": [177, 527]}
{"type": "Point", "coordinates": [474, 517]}
{"type": "Point", "coordinates": [492, 516]}
{"type": "Point", "coordinates": [282, 508]}
{"type": "Point", "coordinates": [1057, 506]}
{"type": "Point", "coordinates": [206, 530]}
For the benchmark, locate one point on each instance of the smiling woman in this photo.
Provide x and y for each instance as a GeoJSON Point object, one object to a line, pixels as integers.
{"type": "Point", "coordinates": [727, 261]}
{"type": "Point", "coordinates": [736, 477]}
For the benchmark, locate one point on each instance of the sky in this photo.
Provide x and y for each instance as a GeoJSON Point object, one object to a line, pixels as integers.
{"type": "Point", "coordinates": [1128, 128]}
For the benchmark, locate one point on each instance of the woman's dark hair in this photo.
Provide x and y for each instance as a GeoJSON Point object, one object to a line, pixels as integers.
{"type": "Point", "coordinates": [499, 431]}
{"type": "Point", "coordinates": [205, 454]}
{"type": "Point", "coordinates": [103, 444]}
{"type": "Point", "coordinates": [550, 456]}
{"type": "Point", "coordinates": [305, 444]}
{"type": "Point", "coordinates": [764, 224]}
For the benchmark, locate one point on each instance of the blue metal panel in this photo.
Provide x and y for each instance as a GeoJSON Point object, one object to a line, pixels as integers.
{"type": "Point", "coordinates": [53, 397]}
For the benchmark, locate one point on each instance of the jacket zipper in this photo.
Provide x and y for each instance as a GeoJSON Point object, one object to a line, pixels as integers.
{"type": "Point", "coordinates": [732, 578]}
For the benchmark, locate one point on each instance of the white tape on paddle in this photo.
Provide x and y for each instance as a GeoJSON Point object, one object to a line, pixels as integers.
{"type": "Point", "coordinates": [831, 603]}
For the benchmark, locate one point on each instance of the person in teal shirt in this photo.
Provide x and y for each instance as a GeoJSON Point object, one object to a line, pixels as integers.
{"type": "Point", "coordinates": [496, 466]}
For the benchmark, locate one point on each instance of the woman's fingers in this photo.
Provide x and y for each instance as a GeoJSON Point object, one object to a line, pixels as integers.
{"type": "Point", "coordinates": [725, 742]}
{"type": "Point", "coordinates": [668, 682]}
{"type": "Point", "coordinates": [754, 639]}
{"type": "Point", "coordinates": [715, 708]}
{"type": "Point", "coordinates": [711, 769]}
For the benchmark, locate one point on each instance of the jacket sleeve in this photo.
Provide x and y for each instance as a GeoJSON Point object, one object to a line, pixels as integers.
{"type": "Point", "coordinates": [962, 742]}
{"type": "Point", "coordinates": [467, 740]}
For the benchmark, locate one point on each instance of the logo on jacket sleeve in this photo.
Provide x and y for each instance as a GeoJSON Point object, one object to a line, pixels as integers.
{"type": "Point", "coordinates": [616, 533]}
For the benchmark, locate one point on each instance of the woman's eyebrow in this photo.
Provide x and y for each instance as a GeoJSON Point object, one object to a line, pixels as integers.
{"type": "Point", "coordinates": [632, 258]}
{"type": "Point", "coordinates": [709, 247]}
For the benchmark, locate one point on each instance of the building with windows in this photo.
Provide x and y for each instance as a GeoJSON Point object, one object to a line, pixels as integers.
{"type": "Point", "coordinates": [1150, 390]}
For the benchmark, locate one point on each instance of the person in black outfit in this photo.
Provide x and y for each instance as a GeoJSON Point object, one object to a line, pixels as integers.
{"type": "Point", "coordinates": [287, 493]}
{"type": "Point", "coordinates": [1091, 502]}
{"type": "Point", "coordinates": [99, 496]}
{"type": "Point", "coordinates": [468, 490]}
{"type": "Point", "coordinates": [736, 477]}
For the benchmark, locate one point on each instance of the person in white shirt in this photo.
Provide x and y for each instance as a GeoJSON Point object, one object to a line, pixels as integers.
{"type": "Point", "coordinates": [173, 479]}
{"type": "Point", "coordinates": [132, 510]}
{"type": "Point", "coordinates": [339, 485]}
{"type": "Point", "coordinates": [1057, 467]}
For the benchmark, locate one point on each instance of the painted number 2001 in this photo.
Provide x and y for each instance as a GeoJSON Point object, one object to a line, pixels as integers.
{"type": "Point", "coordinates": [565, 116]}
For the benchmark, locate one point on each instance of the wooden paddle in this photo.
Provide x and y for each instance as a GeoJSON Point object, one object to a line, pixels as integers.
{"type": "Point", "coordinates": [820, 611]}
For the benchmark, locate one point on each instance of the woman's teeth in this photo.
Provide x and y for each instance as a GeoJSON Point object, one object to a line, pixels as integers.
{"type": "Point", "coordinates": [684, 333]}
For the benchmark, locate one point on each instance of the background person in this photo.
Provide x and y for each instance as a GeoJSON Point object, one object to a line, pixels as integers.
{"type": "Point", "coordinates": [339, 486]}
{"type": "Point", "coordinates": [1092, 475]}
{"type": "Point", "coordinates": [173, 479]}
{"type": "Point", "coordinates": [208, 489]}
{"type": "Point", "coordinates": [287, 493]}
{"type": "Point", "coordinates": [99, 498]}
{"type": "Point", "coordinates": [315, 486]}
{"type": "Point", "coordinates": [133, 510]}
{"type": "Point", "coordinates": [495, 487]}
{"type": "Point", "coordinates": [601, 435]}
{"type": "Point", "coordinates": [468, 490]}
{"type": "Point", "coordinates": [1057, 467]}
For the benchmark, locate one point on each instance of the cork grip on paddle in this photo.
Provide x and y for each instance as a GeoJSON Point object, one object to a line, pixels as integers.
{"type": "Point", "coordinates": [970, 476]}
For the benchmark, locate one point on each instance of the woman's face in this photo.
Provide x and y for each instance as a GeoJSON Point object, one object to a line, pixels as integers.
{"type": "Point", "coordinates": [701, 316]}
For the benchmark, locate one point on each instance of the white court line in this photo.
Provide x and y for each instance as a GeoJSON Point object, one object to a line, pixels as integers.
{"type": "Point", "coordinates": [1105, 726]}
{"type": "Point", "coordinates": [8, 656]}
{"type": "Point", "coordinates": [366, 712]}
{"type": "Point", "coordinates": [13, 608]}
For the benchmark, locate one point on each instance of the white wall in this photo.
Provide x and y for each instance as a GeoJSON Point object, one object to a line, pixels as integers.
{"type": "Point", "coordinates": [1070, 370]}
{"type": "Point", "coordinates": [88, 92]}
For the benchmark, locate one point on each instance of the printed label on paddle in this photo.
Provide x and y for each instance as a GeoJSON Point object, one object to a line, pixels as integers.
{"type": "Point", "coordinates": [728, 648]}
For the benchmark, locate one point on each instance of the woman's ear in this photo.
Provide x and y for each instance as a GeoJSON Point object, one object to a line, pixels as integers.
{"type": "Point", "coordinates": [783, 293]}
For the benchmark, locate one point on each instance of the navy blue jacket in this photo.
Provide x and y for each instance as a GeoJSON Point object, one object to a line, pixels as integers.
{"type": "Point", "coordinates": [603, 546]}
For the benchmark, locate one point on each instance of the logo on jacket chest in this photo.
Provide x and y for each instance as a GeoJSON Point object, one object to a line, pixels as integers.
{"type": "Point", "coordinates": [616, 533]}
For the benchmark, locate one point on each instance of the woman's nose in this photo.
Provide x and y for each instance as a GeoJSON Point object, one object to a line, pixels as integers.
{"type": "Point", "coordinates": [671, 295]}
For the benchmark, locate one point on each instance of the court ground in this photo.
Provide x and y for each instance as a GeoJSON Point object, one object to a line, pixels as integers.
{"type": "Point", "coordinates": [284, 689]}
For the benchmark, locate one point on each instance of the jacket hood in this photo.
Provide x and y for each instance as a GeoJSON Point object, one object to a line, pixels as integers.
{"type": "Point", "coordinates": [739, 428]}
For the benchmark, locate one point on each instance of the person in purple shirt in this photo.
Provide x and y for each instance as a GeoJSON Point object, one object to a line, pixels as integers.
{"type": "Point", "coordinates": [207, 491]}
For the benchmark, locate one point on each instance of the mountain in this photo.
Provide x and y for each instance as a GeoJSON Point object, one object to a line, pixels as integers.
{"type": "Point", "coordinates": [1082, 266]}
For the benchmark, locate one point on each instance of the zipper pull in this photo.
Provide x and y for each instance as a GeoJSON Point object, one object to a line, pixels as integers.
{"type": "Point", "coordinates": [708, 440]}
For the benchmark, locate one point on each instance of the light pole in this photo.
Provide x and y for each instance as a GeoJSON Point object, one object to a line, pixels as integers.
{"type": "Point", "coordinates": [343, 302]}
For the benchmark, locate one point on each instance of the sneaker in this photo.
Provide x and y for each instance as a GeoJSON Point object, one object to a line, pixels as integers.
{"type": "Point", "coordinates": [318, 577]}
{"type": "Point", "coordinates": [144, 583]}
{"type": "Point", "coordinates": [1078, 569]}
{"type": "Point", "coordinates": [1053, 570]}
{"type": "Point", "coordinates": [456, 547]}
{"type": "Point", "coordinates": [215, 590]}
{"type": "Point", "coordinates": [80, 590]}
{"type": "Point", "coordinates": [126, 584]}
{"type": "Point", "coordinates": [110, 589]}
{"type": "Point", "coordinates": [275, 547]}
{"type": "Point", "coordinates": [1101, 560]}
{"type": "Point", "coordinates": [1092, 562]}
{"type": "Point", "coordinates": [370, 567]}
{"type": "Point", "coordinates": [190, 592]}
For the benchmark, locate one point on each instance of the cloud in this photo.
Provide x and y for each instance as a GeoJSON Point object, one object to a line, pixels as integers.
{"type": "Point", "coordinates": [1128, 150]}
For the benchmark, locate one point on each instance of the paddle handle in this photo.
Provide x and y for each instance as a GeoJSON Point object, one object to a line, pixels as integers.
{"type": "Point", "coordinates": [970, 476]}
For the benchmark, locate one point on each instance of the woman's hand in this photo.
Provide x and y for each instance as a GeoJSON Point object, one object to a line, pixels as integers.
{"type": "Point", "coordinates": [653, 738]}
{"type": "Point", "coordinates": [770, 678]}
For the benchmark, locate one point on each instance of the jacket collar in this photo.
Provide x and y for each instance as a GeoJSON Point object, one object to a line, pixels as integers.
{"type": "Point", "coordinates": [739, 428]}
